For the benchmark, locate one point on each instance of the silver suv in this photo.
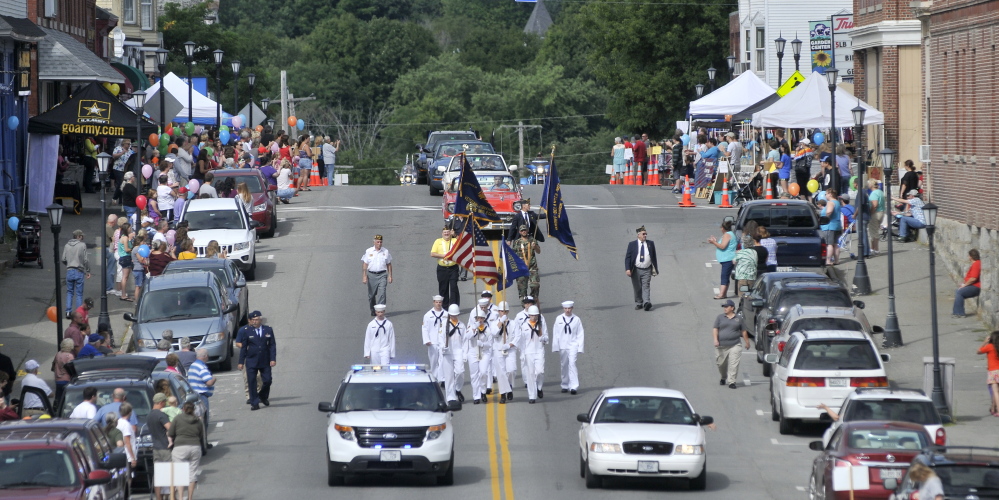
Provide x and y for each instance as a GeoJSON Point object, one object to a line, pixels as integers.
{"type": "Point", "coordinates": [801, 318]}
{"type": "Point", "coordinates": [904, 405]}
{"type": "Point", "coordinates": [389, 419]}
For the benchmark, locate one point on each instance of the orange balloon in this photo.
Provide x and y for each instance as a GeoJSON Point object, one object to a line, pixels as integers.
{"type": "Point", "coordinates": [154, 140]}
{"type": "Point", "coordinates": [156, 160]}
{"type": "Point", "coordinates": [53, 314]}
{"type": "Point", "coordinates": [292, 121]}
{"type": "Point", "coordinates": [794, 189]}
{"type": "Point", "coordinates": [260, 128]}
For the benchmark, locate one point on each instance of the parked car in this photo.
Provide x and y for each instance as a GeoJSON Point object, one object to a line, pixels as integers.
{"type": "Point", "coordinates": [799, 318]}
{"type": "Point", "coordinates": [501, 192]}
{"type": "Point", "coordinates": [885, 448]}
{"type": "Point", "coordinates": [264, 196]}
{"type": "Point", "coordinates": [228, 274]}
{"type": "Point", "coordinates": [194, 305]}
{"type": "Point", "coordinates": [821, 367]}
{"type": "Point", "coordinates": [966, 472]}
{"type": "Point", "coordinates": [222, 220]}
{"type": "Point", "coordinates": [642, 432]}
{"type": "Point", "coordinates": [49, 465]}
{"type": "Point", "coordinates": [761, 290]}
{"type": "Point", "coordinates": [885, 404]}
{"type": "Point", "coordinates": [795, 226]}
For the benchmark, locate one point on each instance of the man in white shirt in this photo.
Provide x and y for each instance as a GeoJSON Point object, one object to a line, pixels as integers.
{"type": "Point", "coordinates": [207, 187]}
{"type": "Point", "coordinates": [567, 340]}
{"type": "Point", "coordinates": [165, 198]}
{"type": "Point", "coordinates": [376, 268]}
{"type": "Point", "coordinates": [433, 324]}
{"type": "Point", "coordinates": [329, 158]}
{"type": "Point", "coordinates": [32, 404]}
{"type": "Point", "coordinates": [185, 162]}
{"type": "Point", "coordinates": [379, 339]}
{"type": "Point", "coordinates": [734, 151]}
{"type": "Point", "coordinates": [86, 408]}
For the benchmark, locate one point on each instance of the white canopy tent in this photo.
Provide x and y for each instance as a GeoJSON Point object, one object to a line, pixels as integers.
{"type": "Point", "coordinates": [204, 109]}
{"type": "Point", "coordinates": [744, 91]}
{"type": "Point", "coordinates": [809, 106]}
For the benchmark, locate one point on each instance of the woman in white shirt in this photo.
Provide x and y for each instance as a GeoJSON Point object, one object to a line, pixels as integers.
{"type": "Point", "coordinates": [285, 191]}
{"type": "Point", "coordinates": [128, 433]}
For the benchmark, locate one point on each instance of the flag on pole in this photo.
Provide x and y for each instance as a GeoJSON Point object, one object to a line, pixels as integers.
{"type": "Point", "coordinates": [471, 201]}
{"type": "Point", "coordinates": [558, 219]}
{"type": "Point", "coordinates": [513, 266]}
{"type": "Point", "coordinates": [472, 252]}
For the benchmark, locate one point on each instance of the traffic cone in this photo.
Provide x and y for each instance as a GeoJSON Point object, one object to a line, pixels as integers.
{"type": "Point", "coordinates": [725, 203]}
{"type": "Point", "coordinates": [638, 174]}
{"type": "Point", "coordinates": [770, 193]}
{"type": "Point", "coordinates": [613, 180]}
{"type": "Point", "coordinates": [654, 172]}
{"type": "Point", "coordinates": [314, 177]}
{"type": "Point", "coordinates": [326, 182]}
{"type": "Point", "coordinates": [687, 202]}
{"type": "Point", "coordinates": [629, 177]}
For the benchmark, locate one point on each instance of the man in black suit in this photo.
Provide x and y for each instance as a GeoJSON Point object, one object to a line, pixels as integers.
{"type": "Point", "coordinates": [258, 351]}
{"type": "Point", "coordinates": [640, 265]}
{"type": "Point", "coordinates": [527, 217]}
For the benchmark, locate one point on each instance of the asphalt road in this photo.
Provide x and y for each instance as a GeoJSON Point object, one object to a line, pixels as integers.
{"type": "Point", "coordinates": [309, 289]}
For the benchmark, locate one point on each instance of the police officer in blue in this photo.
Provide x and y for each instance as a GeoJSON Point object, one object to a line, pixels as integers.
{"type": "Point", "coordinates": [258, 352]}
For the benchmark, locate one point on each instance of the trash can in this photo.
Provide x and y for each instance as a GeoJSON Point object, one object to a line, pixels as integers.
{"type": "Point", "coordinates": [946, 376]}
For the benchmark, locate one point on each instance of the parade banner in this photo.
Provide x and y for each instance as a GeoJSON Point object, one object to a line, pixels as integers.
{"type": "Point", "coordinates": [513, 266]}
{"type": "Point", "coordinates": [820, 44]}
{"type": "Point", "coordinates": [471, 201]}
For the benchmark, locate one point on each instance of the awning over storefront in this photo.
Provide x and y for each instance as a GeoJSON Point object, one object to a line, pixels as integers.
{"type": "Point", "coordinates": [134, 75]}
{"type": "Point", "coordinates": [20, 29]}
{"type": "Point", "coordinates": [61, 57]}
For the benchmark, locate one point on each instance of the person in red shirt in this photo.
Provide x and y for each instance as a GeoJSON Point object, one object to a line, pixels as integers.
{"type": "Point", "coordinates": [972, 285]}
{"type": "Point", "coordinates": [641, 157]}
{"type": "Point", "coordinates": [84, 309]}
{"type": "Point", "coordinates": [989, 349]}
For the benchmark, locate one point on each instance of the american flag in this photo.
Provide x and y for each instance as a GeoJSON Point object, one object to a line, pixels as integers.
{"type": "Point", "coordinates": [474, 253]}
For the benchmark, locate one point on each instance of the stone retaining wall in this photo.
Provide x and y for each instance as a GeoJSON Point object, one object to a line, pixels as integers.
{"type": "Point", "coordinates": [953, 240]}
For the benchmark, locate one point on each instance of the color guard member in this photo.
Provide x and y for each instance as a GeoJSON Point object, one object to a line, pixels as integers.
{"type": "Point", "coordinates": [433, 325]}
{"type": "Point", "coordinates": [379, 339]}
{"type": "Point", "coordinates": [567, 340]}
{"type": "Point", "coordinates": [533, 339]}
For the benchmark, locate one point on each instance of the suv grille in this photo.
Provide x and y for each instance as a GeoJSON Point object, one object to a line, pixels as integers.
{"type": "Point", "coordinates": [390, 437]}
{"type": "Point", "coordinates": [647, 448]}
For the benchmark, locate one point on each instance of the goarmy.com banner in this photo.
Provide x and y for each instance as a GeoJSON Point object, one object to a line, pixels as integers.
{"type": "Point", "coordinates": [70, 128]}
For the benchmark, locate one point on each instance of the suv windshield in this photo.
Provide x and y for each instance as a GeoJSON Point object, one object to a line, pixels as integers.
{"type": "Point", "coordinates": [213, 219]}
{"type": "Point", "coordinates": [178, 303]}
{"type": "Point", "coordinates": [645, 410]}
{"type": "Point", "coordinates": [252, 181]}
{"type": "Point", "coordinates": [836, 355]}
{"type": "Point", "coordinates": [832, 297]}
{"type": "Point", "coordinates": [887, 439]}
{"type": "Point", "coordinates": [135, 395]}
{"type": "Point", "coordinates": [34, 468]}
{"type": "Point", "coordinates": [917, 412]}
{"type": "Point", "coordinates": [807, 324]}
{"type": "Point", "coordinates": [390, 396]}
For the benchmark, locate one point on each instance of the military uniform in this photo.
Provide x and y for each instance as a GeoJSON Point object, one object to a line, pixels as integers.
{"type": "Point", "coordinates": [379, 339]}
{"type": "Point", "coordinates": [567, 341]}
{"type": "Point", "coordinates": [433, 324]}
{"type": "Point", "coordinates": [479, 353]}
{"type": "Point", "coordinates": [533, 339]}
{"type": "Point", "coordinates": [506, 336]}
{"type": "Point", "coordinates": [527, 249]}
{"type": "Point", "coordinates": [452, 353]}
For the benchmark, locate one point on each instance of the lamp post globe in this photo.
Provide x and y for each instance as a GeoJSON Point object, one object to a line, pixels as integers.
{"type": "Point", "coordinates": [699, 88]}
{"type": "Point", "coordinates": [161, 60]}
{"type": "Point", "coordinates": [252, 79]}
{"type": "Point", "coordinates": [780, 42]}
{"type": "Point", "coordinates": [796, 50]}
{"type": "Point", "coordinates": [236, 66]}
{"type": "Point", "coordinates": [189, 58]}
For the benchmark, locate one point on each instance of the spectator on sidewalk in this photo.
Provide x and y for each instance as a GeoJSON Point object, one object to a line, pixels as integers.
{"type": "Point", "coordinates": [186, 433]}
{"type": "Point", "coordinates": [75, 332]}
{"type": "Point", "coordinates": [7, 366]}
{"type": "Point", "coordinates": [32, 404]}
{"type": "Point", "coordinates": [158, 259]}
{"type": "Point", "coordinates": [74, 256]}
{"type": "Point", "coordinates": [90, 350]}
{"type": "Point", "coordinates": [876, 210]}
{"type": "Point", "coordinates": [86, 408]}
{"type": "Point", "coordinates": [991, 350]}
{"type": "Point", "coordinates": [910, 179]}
{"type": "Point", "coordinates": [972, 285]}
{"type": "Point", "coordinates": [915, 219]}
{"type": "Point", "coordinates": [186, 354]}
{"type": "Point", "coordinates": [117, 400]}
{"type": "Point", "coordinates": [158, 424]}
{"type": "Point", "coordinates": [128, 433]}
{"type": "Point", "coordinates": [65, 355]}
{"type": "Point", "coordinates": [729, 337]}
{"type": "Point", "coordinates": [202, 380]}
{"type": "Point", "coordinates": [110, 262]}
{"type": "Point", "coordinates": [84, 310]}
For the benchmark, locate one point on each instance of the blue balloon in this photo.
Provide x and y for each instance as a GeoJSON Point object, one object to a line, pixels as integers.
{"type": "Point", "coordinates": [770, 135]}
{"type": "Point", "coordinates": [12, 122]}
{"type": "Point", "coordinates": [144, 251]}
{"type": "Point", "coordinates": [819, 138]}
{"type": "Point", "coordinates": [224, 136]}
{"type": "Point", "coordinates": [243, 118]}
{"type": "Point", "coordinates": [300, 124]}
{"type": "Point", "coordinates": [685, 139]}
{"type": "Point", "coordinates": [13, 222]}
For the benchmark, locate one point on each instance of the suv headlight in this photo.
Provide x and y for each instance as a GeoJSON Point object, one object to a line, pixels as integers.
{"type": "Point", "coordinates": [148, 343]}
{"type": "Point", "coordinates": [259, 208]}
{"type": "Point", "coordinates": [347, 433]}
{"type": "Point", "coordinates": [605, 448]}
{"type": "Point", "coordinates": [215, 337]}
{"type": "Point", "coordinates": [241, 246]}
{"type": "Point", "coordinates": [688, 449]}
{"type": "Point", "coordinates": [434, 431]}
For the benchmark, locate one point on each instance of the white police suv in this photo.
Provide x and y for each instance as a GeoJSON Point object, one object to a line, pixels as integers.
{"type": "Point", "coordinates": [389, 419]}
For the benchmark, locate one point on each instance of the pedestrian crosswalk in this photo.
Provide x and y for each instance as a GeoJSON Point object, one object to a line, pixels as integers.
{"type": "Point", "coordinates": [436, 208]}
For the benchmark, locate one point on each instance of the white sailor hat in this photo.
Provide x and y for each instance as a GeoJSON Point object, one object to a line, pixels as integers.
{"type": "Point", "coordinates": [438, 297]}
{"type": "Point", "coordinates": [453, 310]}
{"type": "Point", "coordinates": [533, 311]}
{"type": "Point", "coordinates": [486, 293]}
{"type": "Point", "coordinates": [568, 303]}
{"type": "Point", "coordinates": [483, 301]}
{"type": "Point", "coordinates": [503, 306]}
{"type": "Point", "coordinates": [379, 307]}
{"type": "Point", "coordinates": [479, 313]}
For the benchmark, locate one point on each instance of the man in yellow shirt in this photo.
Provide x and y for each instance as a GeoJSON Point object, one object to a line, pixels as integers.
{"type": "Point", "coordinates": [447, 270]}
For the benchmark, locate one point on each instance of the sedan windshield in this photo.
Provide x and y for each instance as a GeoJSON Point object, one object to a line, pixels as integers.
{"type": "Point", "coordinates": [836, 355]}
{"type": "Point", "coordinates": [178, 303]}
{"type": "Point", "coordinates": [644, 410]}
{"type": "Point", "coordinates": [481, 162]}
{"type": "Point", "coordinates": [214, 219]}
{"type": "Point", "coordinates": [36, 468]}
{"type": "Point", "coordinates": [917, 412]}
{"type": "Point", "coordinates": [252, 181]}
{"type": "Point", "coordinates": [887, 439]}
{"type": "Point", "coordinates": [496, 182]}
{"type": "Point", "coordinates": [389, 396]}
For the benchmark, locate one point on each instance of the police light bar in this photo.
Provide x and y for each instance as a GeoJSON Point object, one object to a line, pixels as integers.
{"type": "Point", "coordinates": [392, 368]}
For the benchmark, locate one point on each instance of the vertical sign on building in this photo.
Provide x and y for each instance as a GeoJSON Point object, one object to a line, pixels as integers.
{"type": "Point", "coordinates": [820, 43]}
{"type": "Point", "coordinates": [24, 70]}
{"type": "Point", "coordinates": [842, 25]}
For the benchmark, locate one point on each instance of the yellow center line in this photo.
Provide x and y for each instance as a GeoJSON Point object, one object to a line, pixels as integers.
{"type": "Point", "coordinates": [504, 443]}
{"type": "Point", "coordinates": [493, 461]}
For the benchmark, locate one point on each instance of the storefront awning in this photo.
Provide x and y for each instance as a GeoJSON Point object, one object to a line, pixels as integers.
{"type": "Point", "coordinates": [61, 57]}
{"type": "Point", "coordinates": [20, 29]}
{"type": "Point", "coordinates": [134, 75]}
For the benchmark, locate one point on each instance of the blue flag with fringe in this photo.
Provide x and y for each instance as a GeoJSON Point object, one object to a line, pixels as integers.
{"type": "Point", "coordinates": [558, 219]}
{"type": "Point", "coordinates": [513, 266]}
{"type": "Point", "coordinates": [470, 200]}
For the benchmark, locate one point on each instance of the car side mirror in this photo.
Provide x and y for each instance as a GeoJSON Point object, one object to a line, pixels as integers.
{"type": "Point", "coordinates": [513, 167]}
{"type": "Point", "coordinates": [271, 187]}
{"type": "Point", "coordinates": [326, 407]}
{"type": "Point", "coordinates": [231, 309]}
{"type": "Point", "coordinates": [583, 418]}
{"type": "Point", "coordinates": [97, 477]}
{"type": "Point", "coordinates": [255, 224]}
{"type": "Point", "coordinates": [815, 446]}
{"type": "Point", "coordinates": [440, 169]}
{"type": "Point", "coordinates": [129, 317]}
{"type": "Point", "coordinates": [454, 405]}
{"type": "Point", "coordinates": [770, 358]}
{"type": "Point", "coordinates": [946, 419]}
{"type": "Point", "coordinates": [859, 304]}
{"type": "Point", "coordinates": [825, 417]}
{"type": "Point", "coordinates": [703, 419]}
{"type": "Point", "coordinates": [886, 357]}
{"type": "Point", "coordinates": [115, 461]}
{"type": "Point", "coordinates": [192, 398]}
{"type": "Point", "coordinates": [241, 282]}
{"type": "Point", "coordinates": [757, 303]}
{"type": "Point", "coordinates": [877, 329]}
{"type": "Point", "coordinates": [890, 484]}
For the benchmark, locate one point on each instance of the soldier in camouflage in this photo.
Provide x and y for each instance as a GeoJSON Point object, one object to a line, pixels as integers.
{"type": "Point", "coordinates": [528, 249]}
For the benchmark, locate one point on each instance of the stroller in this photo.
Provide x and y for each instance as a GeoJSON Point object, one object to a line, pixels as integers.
{"type": "Point", "coordinates": [29, 241]}
{"type": "Point", "coordinates": [749, 191]}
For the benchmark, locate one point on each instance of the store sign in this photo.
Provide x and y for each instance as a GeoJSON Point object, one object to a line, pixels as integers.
{"type": "Point", "coordinates": [23, 76]}
{"type": "Point", "coordinates": [843, 45]}
{"type": "Point", "coordinates": [820, 43]}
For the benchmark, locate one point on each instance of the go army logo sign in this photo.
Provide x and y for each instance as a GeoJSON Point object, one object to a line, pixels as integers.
{"type": "Point", "coordinates": [92, 118]}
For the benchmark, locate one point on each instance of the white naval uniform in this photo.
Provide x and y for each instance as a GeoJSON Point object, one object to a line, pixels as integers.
{"type": "Point", "coordinates": [479, 353]}
{"type": "Point", "coordinates": [433, 321]}
{"type": "Point", "coordinates": [567, 340]}
{"type": "Point", "coordinates": [505, 355]}
{"type": "Point", "coordinates": [532, 345]}
{"type": "Point", "coordinates": [379, 342]}
{"type": "Point", "coordinates": [519, 320]}
{"type": "Point", "coordinates": [491, 314]}
{"type": "Point", "coordinates": [452, 353]}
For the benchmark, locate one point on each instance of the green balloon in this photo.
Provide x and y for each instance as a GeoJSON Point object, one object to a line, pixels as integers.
{"type": "Point", "coordinates": [163, 149]}
{"type": "Point", "coordinates": [164, 139]}
{"type": "Point", "coordinates": [853, 182]}
{"type": "Point", "coordinates": [189, 128]}
{"type": "Point", "coordinates": [224, 127]}
{"type": "Point", "coordinates": [210, 151]}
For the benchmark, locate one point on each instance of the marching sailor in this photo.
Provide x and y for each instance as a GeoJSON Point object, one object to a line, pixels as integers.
{"type": "Point", "coordinates": [479, 353]}
{"type": "Point", "coordinates": [534, 338]}
{"type": "Point", "coordinates": [450, 346]}
{"type": "Point", "coordinates": [433, 326]}
{"type": "Point", "coordinates": [567, 340]}
{"type": "Point", "coordinates": [379, 338]}
{"type": "Point", "coordinates": [505, 340]}
{"type": "Point", "coordinates": [519, 321]}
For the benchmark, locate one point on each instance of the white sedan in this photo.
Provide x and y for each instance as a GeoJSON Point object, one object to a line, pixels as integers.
{"type": "Point", "coordinates": [642, 432]}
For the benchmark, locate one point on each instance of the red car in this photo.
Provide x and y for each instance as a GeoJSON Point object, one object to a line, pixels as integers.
{"type": "Point", "coordinates": [47, 465]}
{"type": "Point", "coordinates": [501, 191]}
{"type": "Point", "coordinates": [885, 448]}
{"type": "Point", "coordinates": [263, 193]}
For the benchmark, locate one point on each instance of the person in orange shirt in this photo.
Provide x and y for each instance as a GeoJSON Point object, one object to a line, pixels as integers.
{"type": "Point", "coordinates": [989, 348]}
{"type": "Point", "coordinates": [972, 285]}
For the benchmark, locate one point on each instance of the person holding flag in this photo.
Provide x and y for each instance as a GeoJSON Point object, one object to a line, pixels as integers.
{"type": "Point", "coordinates": [506, 338]}
{"type": "Point", "coordinates": [527, 249]}
{"type": "Point", "coordinates": [479, 353]}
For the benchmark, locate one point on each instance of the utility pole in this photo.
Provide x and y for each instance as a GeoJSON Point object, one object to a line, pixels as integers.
{"type": "Point", "coordinates": [520, 137]}
{"type": "Point", "coordinates": [284, 101]}
{"type": "Point", "coordinates": [291, 104]}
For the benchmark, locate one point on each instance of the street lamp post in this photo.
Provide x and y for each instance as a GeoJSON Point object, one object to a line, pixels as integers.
{"type": "Point", "coordinates": [104, 321]}
{"type": "Point", "coordinates": [189, 58]}
{"type": "Point", "coordinates": [939, 401]}
{"type": "Point", "coordinates": [711, 77]}
{"type": "Point", "coordinates": [270, 124]}
{"type": "Point", "coordinates": [55, 218]}
{"type": "Point", "coordinates": [796, 49]}
{"type": "Point", "coordinates": [140, 104]}
{"type": "Point", "coordinates": [161, 60]}
{"type": "Point", "coordinates": [235, 86]}
{"type": "Point", "coordinates": [831, 75]}
{"type": "Point", "coordinates": [731, 66]}
{"type": "Point", "coordinates": [780, 58]}
{"type": "Point", "coordinates": [893, 334]}
{"type": "Point", "coordinates": [861, 280]}
{"type": "Point", "coordinates": [218, 53]}
{"type": "Point", "coordinates": [252, 78]}
{"type": "Point", "coordinates": [699, 88]}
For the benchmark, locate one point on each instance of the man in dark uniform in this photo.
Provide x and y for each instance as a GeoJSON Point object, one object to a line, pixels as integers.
{"type": "Point", "coordinates": [640, 265]}
{"type": "Point", "coordinates": [258, 352]}
{"type": "Point", "coordinates": [525, 217]}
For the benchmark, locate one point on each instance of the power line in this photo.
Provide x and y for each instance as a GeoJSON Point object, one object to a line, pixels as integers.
{"type": "Point", "coordinates": [514, 120]}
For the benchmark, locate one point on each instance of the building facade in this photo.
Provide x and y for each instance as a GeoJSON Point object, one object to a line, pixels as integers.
{"type": "Point", "coordinates": [140, 37]}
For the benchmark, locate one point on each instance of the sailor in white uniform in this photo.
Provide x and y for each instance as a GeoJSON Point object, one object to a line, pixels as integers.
{"type": "Point", "coordinates": [505, 340]}
{"type": "Point", "coordinates": [433, 325]}
{"type": "Point", "coordinates": [519, 320]}
{"type": "Point", "coordinates": [479, 352]}
{"type": "Point", "coordinates": [567, 341]}
{"type": "Point", "coordinates": [534, 338]}
{"type": "Point", "coordinates": [379, 339]}
{"type": "Point", "coordinates": [450, 345]}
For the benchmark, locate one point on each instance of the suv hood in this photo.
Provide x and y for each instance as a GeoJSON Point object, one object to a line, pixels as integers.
{"type": "Point", "coordinates": [390, 418]}
{"type": "Point", "coordinates": [181, 328]}
{"type": "Point", "coordinates": [223, 236]}
{"type": "Point", "coordinates": [43, 493]}
{"type": "Point", "coordinates": [620, 433]}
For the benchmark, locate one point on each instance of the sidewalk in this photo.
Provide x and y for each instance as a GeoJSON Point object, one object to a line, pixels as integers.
{"type": "Point", "coordinates": [959, 338]}
{"type": "Point", "coordinates": [25, 331]}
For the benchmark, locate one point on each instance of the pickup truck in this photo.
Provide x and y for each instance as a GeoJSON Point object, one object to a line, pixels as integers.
{"type": "Point", "coordinates": [795, 226]}
{"type": "Point", "coordinates": [425, 152]}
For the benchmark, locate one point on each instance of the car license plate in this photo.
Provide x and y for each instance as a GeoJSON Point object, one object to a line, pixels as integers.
{"type": "Point", "coordinates": [785, 269]}
{"type": "Point", "coordinates": [390, 456]}
{"type": "Point", "coordinates": [648, 466]}
{"type": "Point", "coordinates": [891, 473]}
{"type": "Point", "coordinates": [839, 382]}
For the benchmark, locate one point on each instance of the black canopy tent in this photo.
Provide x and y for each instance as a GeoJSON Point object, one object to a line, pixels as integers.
{"type": "Point", "coordinates": [92, 110]}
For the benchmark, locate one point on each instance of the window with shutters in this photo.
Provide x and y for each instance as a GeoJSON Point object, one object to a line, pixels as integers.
{"type": "Point", "coordinates": [51, 8]}
{"type": "Point", "coordinates": [761, 44]}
